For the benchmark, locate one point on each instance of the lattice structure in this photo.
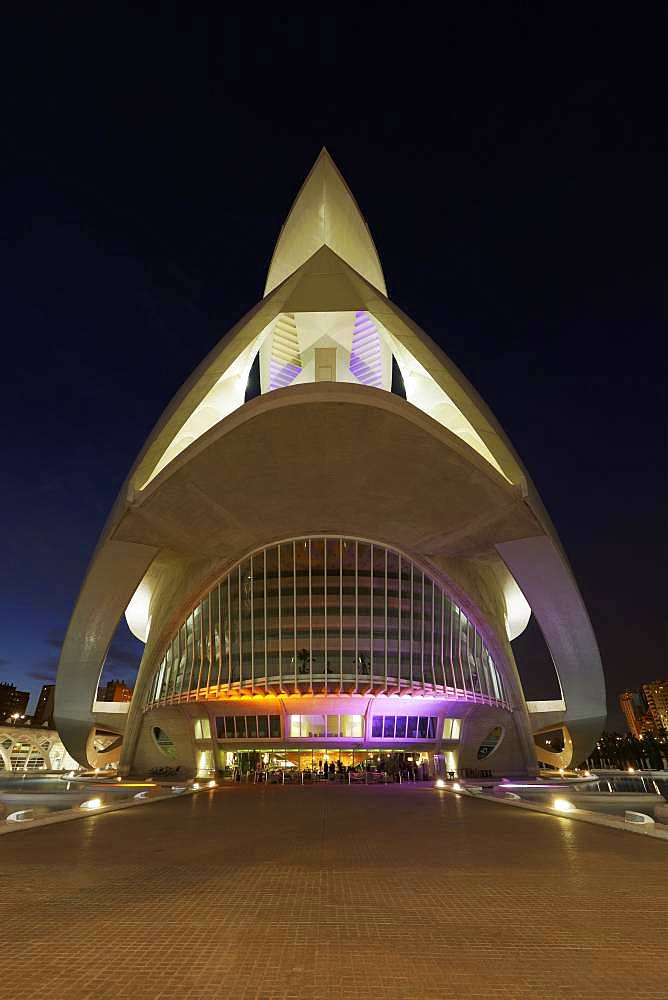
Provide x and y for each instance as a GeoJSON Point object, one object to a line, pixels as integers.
{"type": "Point", "coordinates": [285, 363]}
{"type": "Point", "coordinates": [365, 358]}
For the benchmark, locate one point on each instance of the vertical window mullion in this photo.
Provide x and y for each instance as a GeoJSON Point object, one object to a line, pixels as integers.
{"type": "Point", "coordinates": [445, 679]}
{"type": "Point", "coordinates": [452, 648]}
{"type": "Point", "coordinates": [212, 646]}
{"type": "Point", "coordinates": [229, 639]}
{"type": "Point", "coordinates": [264, 605]}
{"type": "Point", "coordinates": [481, 666]}
{"type": "Point", "coordinates": [341, 609]}
{"type": "Point", "coordinates": [219, 651]}
{"type": "Point", "coordinates": [399, 642]}
{"type": "Point", "coordinates": [433, 622]}
{"type": "Point", "coordinates": [170, 686]}
{"type": "Point", "coordinates": [294, 604]}
{"type": "Point", "coordinates": [371, 615]}
{"type": "Point", "coordinates": [310, 614]}
{"type": "Point", "coordinates": [422, 631]}
{"type": "Point", "coordinates": [386, 621]}
{"type": "Point", "coordinates": [184, 686]}
{"type": "Point", "coordinates": [280, 622]}
{"type": "Point", "coordinates": [239, 593]}
{"type": "Point", "coordinates": [504, 693]}
{"type": "Point", "coordinates": [194, 665]}
{"type": "Point", "coordinates": [459, 653]}
{"type": "Point", "coordinates": [468, 660]}
{"type": "Point", "coordinates": [201, 648]}
{"type": "Point", "coordinates": [412, 626]}
{"type": "Point", "coordinates": [252, 621]}
{"type": "Point", "coordinates": [356, 617]}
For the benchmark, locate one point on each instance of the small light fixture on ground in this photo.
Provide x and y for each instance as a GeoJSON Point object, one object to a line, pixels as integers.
{"type": "Point", "coordinates": [91, 804]}
{"type": "Point", "coordinates": [213, 784]}
{"type": "Point", "coordinates": [440, 783]}
{"type": "Point", "coordinates": [457, 787]}
{"type": "Point", "coordinates": [563, 805]}
{"type": "Point", "coordinates": [196, 785]}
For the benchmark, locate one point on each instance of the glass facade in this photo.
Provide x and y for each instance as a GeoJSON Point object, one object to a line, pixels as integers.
{"type": "Point", "coordinates": [347, 726]}
{"type": "Point", "coordinates": [326, 615]}
{"type": "Point", "coordinates": [404, 727]}
{"type": "Point", "coordinates": [248, 727]}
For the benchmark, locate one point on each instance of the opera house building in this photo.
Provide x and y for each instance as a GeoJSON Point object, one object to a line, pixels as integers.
{"type": "Point", "coordinates": [334, 569]}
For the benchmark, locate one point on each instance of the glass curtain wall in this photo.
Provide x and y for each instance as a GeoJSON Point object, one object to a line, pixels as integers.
{"type": "Point", "coordinates": [327, 615]}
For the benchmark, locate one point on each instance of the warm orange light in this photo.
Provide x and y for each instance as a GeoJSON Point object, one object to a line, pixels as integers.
{"type": "Point", "coordinates": [126, 784]}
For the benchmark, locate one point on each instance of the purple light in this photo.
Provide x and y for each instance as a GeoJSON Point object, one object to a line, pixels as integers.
{"type": "Point", "coordinates": [508, 784]}
{"type": "Point", "coordinates": [365, 357]}
{"type": "Point", "coordinates": [282, 375]}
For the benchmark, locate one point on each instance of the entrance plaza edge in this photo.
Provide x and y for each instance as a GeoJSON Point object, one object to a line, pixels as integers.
{"type": "Point", "coordinates": [328, 570]}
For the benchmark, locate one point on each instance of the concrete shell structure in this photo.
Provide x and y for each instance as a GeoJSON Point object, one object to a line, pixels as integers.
{"type": "Point", "coordinates": [28, 750]}
{"type": "Point", "coordinates": [329, 568]}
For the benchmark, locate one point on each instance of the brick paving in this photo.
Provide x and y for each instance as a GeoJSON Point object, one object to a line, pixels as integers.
{"type": "Point", "coordinates": [331, 892]}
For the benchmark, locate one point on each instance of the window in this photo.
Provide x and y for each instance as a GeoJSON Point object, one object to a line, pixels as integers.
{"type": "Point", "coordinates": [164, 743]}
{"type": "Point", "coordinates": [310, 726]}
{"type": "Point", "coordinates": [451, 729]}
{"type": "Point", "coordinates": [248, 727]}
{"type": "Point", "coordinates": [351, 726]}
{"type": "Point", "coordinates": [202, 729]}
{"type": "Point", "coordinates": [490, 743]}
{"type": "Point", "coordinates": [401, 727]}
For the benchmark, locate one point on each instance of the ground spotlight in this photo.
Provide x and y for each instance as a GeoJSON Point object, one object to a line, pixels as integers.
{"type": "Point", "coordinates": [91, 804]}
{"type": "Point", "coordinates": [563, 805]}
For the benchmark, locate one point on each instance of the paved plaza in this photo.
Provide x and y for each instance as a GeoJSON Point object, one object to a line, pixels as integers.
{"type": "Point", "coordinates": [298, 892]}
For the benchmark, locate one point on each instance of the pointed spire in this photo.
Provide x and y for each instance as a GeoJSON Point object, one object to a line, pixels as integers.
{"type": "Point", "coordinates": [325, 213]}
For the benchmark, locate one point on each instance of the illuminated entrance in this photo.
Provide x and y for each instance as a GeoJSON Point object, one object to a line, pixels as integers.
{"type": "Point", "coordinates": [314, 761]}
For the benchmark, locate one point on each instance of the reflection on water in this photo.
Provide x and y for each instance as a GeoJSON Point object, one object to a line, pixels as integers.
{"type": "Point", "coordinates": [51, 793]}
{"type": "Point", "coordinates": [610, 794]}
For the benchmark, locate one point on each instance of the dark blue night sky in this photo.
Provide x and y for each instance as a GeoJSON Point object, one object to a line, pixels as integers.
{"type": "Point", "coordinates": [512, 171]}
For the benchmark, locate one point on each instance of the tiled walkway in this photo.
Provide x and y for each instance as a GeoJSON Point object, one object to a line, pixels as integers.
{"type": "Point", "coordinates": [331, 892]}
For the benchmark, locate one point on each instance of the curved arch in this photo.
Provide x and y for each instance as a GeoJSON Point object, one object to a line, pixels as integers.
{"type": "Point", "coordinates": [217, 649]}
{"type": "Point", "coordinates": [203, 502]}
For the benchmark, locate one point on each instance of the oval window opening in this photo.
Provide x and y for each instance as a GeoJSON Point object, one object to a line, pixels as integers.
{"type": "Point", "coordinates": [490, 743]}
{"type": "Point", "coordinates": [164, 743]}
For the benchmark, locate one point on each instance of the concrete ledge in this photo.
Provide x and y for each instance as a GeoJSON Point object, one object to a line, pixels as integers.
{"type": "Point", "coordinates": [64, 815]}
{"type": "Point", "coordinates": [583, 815]}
